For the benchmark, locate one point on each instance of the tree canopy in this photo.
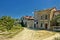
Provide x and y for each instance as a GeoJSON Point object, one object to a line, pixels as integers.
{"type": "Point", "coordinates": [6, 22]}
{"type": "Point", "coordinates": [56, 21]}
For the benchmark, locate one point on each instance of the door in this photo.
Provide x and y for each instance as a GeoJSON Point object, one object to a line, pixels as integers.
{"type": "Point", "coordinates": [46, 26]}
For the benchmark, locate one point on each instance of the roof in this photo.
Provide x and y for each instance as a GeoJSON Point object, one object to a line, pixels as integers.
{"type": "Point", "coordinates": [47, 9]}
{"type": "Point", "coordinates": [29, 17]}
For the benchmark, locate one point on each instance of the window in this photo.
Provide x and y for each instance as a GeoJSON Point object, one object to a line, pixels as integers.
{"type": "Point", "coordinates": [41, 17]}
{"type": "Point", "coordinates": [46, 17]}
{"type": "Point", "coordinates": [41, 24]}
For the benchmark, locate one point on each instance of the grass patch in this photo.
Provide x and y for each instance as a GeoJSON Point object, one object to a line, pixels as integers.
{"type": "Point", "coordinates": [13, 34]}
{"type": "Point", "coordinates": [14, 31]}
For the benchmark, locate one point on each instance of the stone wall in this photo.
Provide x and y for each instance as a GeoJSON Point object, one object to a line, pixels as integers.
{"type": "Point", "coordinates": [56, 28]}
{"type": "Point", "coordinates": [30, 23]}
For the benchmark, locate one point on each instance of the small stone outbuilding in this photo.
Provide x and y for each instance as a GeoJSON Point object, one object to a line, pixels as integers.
{"type": "Point", "coordinates": [28, 21]}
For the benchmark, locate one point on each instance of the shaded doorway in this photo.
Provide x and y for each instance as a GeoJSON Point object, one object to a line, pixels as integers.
{"type": "Point", "coordinates": [46, 26]}
{"type": "Point", "coordinates": [34, 25]}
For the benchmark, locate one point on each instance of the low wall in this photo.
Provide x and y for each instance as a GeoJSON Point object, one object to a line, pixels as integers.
{"type": "Point", "coordinates": [56, 28]}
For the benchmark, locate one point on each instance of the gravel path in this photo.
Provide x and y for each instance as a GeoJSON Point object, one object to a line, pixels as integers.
{"type": "Point", "coordinates": [28, 34]}
{"type": "Point", "coordinates": [24, 35]}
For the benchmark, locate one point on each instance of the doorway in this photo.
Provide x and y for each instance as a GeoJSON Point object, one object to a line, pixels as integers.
{"type": "Point", "coordinates": [46, 26]}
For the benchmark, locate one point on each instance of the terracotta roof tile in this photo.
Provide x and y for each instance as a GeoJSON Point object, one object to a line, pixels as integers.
{"type": "Point", "coordinates": [28, 17]}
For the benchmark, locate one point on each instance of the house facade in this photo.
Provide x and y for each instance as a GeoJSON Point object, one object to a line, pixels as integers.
{"type": "Point", "coordinates": [42, 18]}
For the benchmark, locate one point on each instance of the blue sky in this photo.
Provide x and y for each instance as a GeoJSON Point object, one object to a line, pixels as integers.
{"type": "Point", "coordinates": [18, 8]}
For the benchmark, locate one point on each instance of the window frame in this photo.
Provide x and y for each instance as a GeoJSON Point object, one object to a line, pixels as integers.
{"type": "Point", "coordinates": [41, 17]}
{"type": "Point", "coordinates": [41, 25]}
{"type": "Point", "coordinates": [46, 16]}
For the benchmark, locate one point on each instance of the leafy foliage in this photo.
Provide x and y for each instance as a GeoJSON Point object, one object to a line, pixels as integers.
{"type": "Point", "coordinates": [6, 22]}
{"type": "Point", "coordinates": [9, 27]}
{"type": "Point", "coordinates": [56, 21]}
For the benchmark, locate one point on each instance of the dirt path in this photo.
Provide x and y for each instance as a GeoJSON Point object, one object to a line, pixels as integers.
{"type": "Point", "coordinates": [27, 34]}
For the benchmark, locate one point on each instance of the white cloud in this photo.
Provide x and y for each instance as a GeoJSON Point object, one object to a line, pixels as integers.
{"type": "Point", "coordinates": [32, 12]}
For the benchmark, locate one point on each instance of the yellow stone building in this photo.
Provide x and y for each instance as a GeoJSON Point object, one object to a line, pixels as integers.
{"type": "Point", "coordinates": [42, 18]}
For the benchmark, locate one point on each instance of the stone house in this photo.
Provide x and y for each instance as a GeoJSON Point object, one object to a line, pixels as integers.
{"type": "Point", "coordinates": [42, 18]}
{"type": "Point", "coordinates": [28, 21]}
